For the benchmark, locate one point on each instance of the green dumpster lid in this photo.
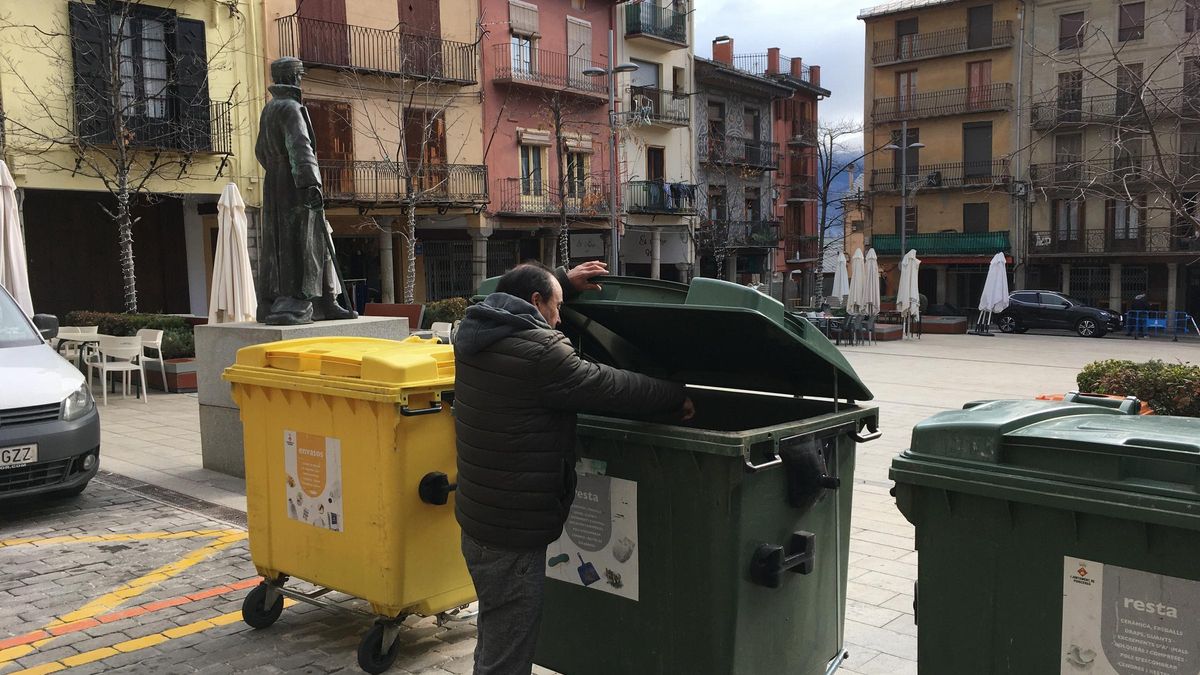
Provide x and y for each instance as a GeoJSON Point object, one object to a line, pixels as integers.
{"type": "Point", "coordinates": [1065, 443]}
{"type": "Point", "coordinates": [711, 332]}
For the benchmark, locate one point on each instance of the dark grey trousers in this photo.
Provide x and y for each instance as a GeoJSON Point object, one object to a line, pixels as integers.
{"type": "Point", "coordinates": [510, 587]}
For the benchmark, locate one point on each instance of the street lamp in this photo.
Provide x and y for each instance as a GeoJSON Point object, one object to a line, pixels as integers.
{"type": "Point", "coordinates": [611, 73]}
{"type": "Point", "coordinates": [903, 181]}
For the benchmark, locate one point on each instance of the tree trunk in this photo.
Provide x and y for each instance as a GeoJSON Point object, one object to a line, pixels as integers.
{"type": "Point", "coordinates": [564, 233]}
{"type": "Point", "coordinates": [125, 243]}
{"type": "Point", "coordinates": [410, 252]}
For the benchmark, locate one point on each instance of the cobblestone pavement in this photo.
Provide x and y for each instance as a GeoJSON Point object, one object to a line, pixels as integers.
{"type": "Point", "coordinates": [119, 580]}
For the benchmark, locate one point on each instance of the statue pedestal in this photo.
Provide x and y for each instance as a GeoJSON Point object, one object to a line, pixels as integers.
{"type": "Point", "coordinates": [216, 349]}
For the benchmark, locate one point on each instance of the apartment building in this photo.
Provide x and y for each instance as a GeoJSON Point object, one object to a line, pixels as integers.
{"type": "Point", "coordinates": [657, 156]}
{"type": "Point", "coordinates": [1114, 135]}
{"type": "Point", "coordinates": [940, 80]}
{"type": "Point", "coordinates": [163, 95]}
{"type": "Point", "coordinates": [393, 91]}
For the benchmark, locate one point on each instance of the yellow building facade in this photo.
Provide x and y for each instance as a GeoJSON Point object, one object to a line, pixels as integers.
{"type": "Point", "coordinates": [944, 72]}
{"type": "Point", "coordinates": [188, 89]}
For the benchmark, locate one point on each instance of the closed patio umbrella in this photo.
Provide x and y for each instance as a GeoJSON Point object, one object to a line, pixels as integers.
{"type": "Point", "coordinates": [995, 294]}
{"type": "Point", "coordinates": [908, 297]}
{"type": "Point", "coordinates": [841, 279]}
{"type": "Point", "coordinates": [856, 302]}
{"type": "Point", "coordinates": [232, 298]}
{"type": "Point", "coordinates": [14, 273]}
{"type": "Point", "coordinates": [872, 279]}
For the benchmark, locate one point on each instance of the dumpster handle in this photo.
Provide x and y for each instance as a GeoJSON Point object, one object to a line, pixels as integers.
{"type": "Point", "coordinates": [433, 410]}
{"type": "Point", "coordinates": [873, 433]}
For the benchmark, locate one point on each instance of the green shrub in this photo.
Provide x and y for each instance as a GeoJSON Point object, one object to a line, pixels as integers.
{"type": "Point", "coordinates": [449, 310]}
{"type": "Point", "coordinates": [1168, 388]}
{"type": "Point", "coordinates": [178, 339]}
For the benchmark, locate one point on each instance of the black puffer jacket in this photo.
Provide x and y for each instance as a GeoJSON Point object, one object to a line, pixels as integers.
{"type": "Point", "coordinates": [517, 389]}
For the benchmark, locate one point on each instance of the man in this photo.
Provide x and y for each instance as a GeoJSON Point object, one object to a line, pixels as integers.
{"type": "Point", "coordinates": [518, 385]}
{"type": "Point", "coordinates": [297, 282]}
{"type": "Point", "coordinates": [1136, 317]}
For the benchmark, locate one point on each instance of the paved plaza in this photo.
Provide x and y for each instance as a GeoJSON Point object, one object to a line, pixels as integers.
{"type": "Point", "coordinates": [145, 572]}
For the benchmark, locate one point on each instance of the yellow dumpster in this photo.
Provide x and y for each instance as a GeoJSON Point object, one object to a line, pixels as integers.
{"type": "Point", "coordinates": [342, 435]}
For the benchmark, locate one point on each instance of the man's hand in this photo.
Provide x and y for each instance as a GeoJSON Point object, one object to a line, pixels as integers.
{"type": "Point", "coordinates": [313, 198]}
{"type": "Point", "coordinates": [581, 276]}
{"type": "Point", "coordinates": [689, 410]}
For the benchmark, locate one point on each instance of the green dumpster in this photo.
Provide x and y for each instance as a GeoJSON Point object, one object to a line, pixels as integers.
{"type": "Point", "coordinates": [719, 546]}
{"type": "Point", "coordinates": [1055, 538]}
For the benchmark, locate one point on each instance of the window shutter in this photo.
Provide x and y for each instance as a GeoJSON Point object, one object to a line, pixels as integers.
{"type": "Point", "coordinates": [191, 85]}
{"type": "Point", "coordinates": [522, 18]}
{"type": "Point", "coordinates": [89, 49]}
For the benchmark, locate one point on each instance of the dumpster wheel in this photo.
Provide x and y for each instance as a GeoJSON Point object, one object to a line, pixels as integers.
{"type": "Point", "coordinates": [371, 655]}
{"type": "Point", "coordinates": [255, 611]}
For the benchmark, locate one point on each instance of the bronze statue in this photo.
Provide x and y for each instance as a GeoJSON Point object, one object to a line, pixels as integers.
{"type": "Point", "coordinates": [297, 281]}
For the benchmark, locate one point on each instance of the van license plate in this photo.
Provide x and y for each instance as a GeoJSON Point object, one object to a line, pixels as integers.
{"type": "Point", "coordinates": [18, 456]}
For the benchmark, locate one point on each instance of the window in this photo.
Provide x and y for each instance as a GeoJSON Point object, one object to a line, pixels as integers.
{"type": "Point", "coordinates": [1131, 21]}
{"type": "Point", "coordinates": [979, 27]}
{"type": "Point", "coordinates": [522, 55]}
{"type": "Point", "coordinates": [1189, 153]}
{"type": "Point", "coordinates": [1067, 215]}
{"type": "Point", "coordinates": [142, 66]}
{"type": "Point", "coordinates": [1127, 157]}
{"type": "Point", "coordinates": [531, 171]}
{"type": "Point", "coordinates": [1068, 157]}
{"type": "Point", "coordinates": [1191, 16]}
{"type": "Point", "coordinates": [655, 163]}
{"type": "Point", "coordinates": [906, 38]}
{"type": "Point", "coordinates": [1071, 30]}
{"type": "Point", "coordinates": [753, 204]}
{"type": "Point", "coordinates": [753, 127]}
{"type": "Point", "coordinates": [1125, 218]}
{"type": "Point", "coordinates": [577, 171]}
{"type": "Point", "coordinates": [856, 225]}
{"type": "Point", "coordinates": [977, 149]}
{"type": "Point", "coordinates": [1129, 88]}
{"type": "Point", "coordinates": [979, 80]}
{"type": "Point", "coordinates": [1191, 81]}
{"type": "Point", "coordinates": [910, 227]}
{"type": "Point", "coordinates": [1070, 95]}
{"type": "Point", "coordinates": [976, 217]}
{"type": "Point", "coordinates": [718, 208]}
{"type": "Point", "coordinates": [906, 89]}
{"type": "Point", "coordinates": [1025, 297]}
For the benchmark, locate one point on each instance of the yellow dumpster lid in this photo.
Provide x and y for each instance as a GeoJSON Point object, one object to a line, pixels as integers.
{"type": "Point", "coordinates": [344, 364]}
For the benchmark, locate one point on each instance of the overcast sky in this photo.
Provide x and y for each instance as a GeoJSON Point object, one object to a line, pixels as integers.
{"type": "Point", "coordinates": [821, 32]}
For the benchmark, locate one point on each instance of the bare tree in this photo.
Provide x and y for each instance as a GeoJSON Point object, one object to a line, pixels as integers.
{"type": "Point", "coordinates": [1152, 132]}
{"type": "Point", "coordinates": [835, 140]}
{"type": "Point", "coordinates": [126, 103]}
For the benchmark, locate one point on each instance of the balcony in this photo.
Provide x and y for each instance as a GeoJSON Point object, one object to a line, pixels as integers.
{"type": "Point", "coordinates": [728, 234]}
{"type": "Point", "coordinates": [802, 249]}
{"type": "Point", "coordinates": [656, 25]}
{"type": "Point", "coordinates": [944, 176]}
{"type": "Point", "coordinates": [523, 197]}
{"type": "Point", "coordinates": [965, 101]}
{"type": "Point", "coordinates": [941, 43]}
{"type": "Point", "coordinates": [802, 188]}
{"type": "Point", "coordinates": [803, 133]}
{"type": "Point", "coordinates": [204, 128]}
{"type": "Point", "coordinates": [387, 182]}
{"type": "Point", "coordinates": [768, 65]}
{"type": "Point", "coordinates": [667, 108]}
{"type": "Point", "coordinates": [371, 51]}
{"type": "Point", "coordinates": [733, 151]}
{"type": "Point", "coordinates": [1161, 105]}
{"type": "Point", "coordinates": [1098, 173]}
{"type": "Point", "coordinates": [1146, 240]}
{"type": "Point", "coordinates": [659, 198]}
{"type": "Point", "coordinates": [551, 71]}
{"type": "Point", "coordinates": [944, 243]}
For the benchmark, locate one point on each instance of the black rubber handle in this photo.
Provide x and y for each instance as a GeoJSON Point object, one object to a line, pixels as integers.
{"type": "Point", "coordinates": [770, 561]}
{"type": "Point", "coordinates": [435, 488]}
{"type": "Point", "coordinates": [407, 412]}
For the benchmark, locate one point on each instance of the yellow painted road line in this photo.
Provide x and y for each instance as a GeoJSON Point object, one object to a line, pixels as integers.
{"type": "Point", "coordinates": [137, 644]}
{"type": "Point", "coordinates": [97, 538]}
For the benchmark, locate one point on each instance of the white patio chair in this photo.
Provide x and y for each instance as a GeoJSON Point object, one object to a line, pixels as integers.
{"type": "Point", "coordinates": [441, 330]}
{"type": "Point", "coordinates": [118, 355]}
{"type": "Point", "coordinates": [152, 342]}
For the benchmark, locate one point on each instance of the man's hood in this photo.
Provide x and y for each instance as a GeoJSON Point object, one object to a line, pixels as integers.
{"type": "Point", "coordinates": [494, 319]}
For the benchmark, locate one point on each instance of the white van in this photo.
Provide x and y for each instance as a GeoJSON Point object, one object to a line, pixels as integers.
{"type": "Point", "coordinates": [49, 426]}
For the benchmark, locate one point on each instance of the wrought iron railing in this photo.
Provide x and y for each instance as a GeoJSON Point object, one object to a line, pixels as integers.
{"type": "Point", "coordinates": [660, 197]}
{"type": "Point", "coordinates": [372, 50]}
{"type": "Point", "coordinates": [388, 181]}
{"type": "Point", "coordinates": [187, 128]}
{"type": "Point", "coordinates": [541, 68]}
{"type": "Point", "coordinates": [742, 152]}
{"type": "Point", "coordinates": [946, 175]}
{"type": "Point", "coordinates": [1100, 172]}
{"type": "Point", "coordinates": [963, 101]}
{"type": "Point", "coordinates": [665, 107]}
{"type": "Point", "coordinates": [588, 198]}
{"type": "Point", "coordinates": [944, 243]}
{"type": "Point", "coordinates": [939, 43]}
{"type": "Point", "coordinates": [762, 66]}
{"type": "Point", "coordinates": [1100, 241]}
{"type": "Point", "coordinates": [802, 187]}
{"type": "Point", "coordinates": [803, 132]}
{"type": "Point", "coordinates": [647, 18]}
{"type": "Point", "coordinates": [1127, 108]}
{"type": "Point", "coordinates": [802, 248]}
{"type": "Point", "coordinates": [740, 234]}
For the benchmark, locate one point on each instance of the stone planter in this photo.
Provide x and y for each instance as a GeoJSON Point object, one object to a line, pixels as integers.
{"type": "Point", "coordinates": [181, 375]}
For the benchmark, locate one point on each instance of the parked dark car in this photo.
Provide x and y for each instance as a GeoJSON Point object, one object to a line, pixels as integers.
{"type": "Point", "coordinates": [1047, 309]}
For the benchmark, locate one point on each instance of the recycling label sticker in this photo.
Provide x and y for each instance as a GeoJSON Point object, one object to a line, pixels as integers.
{"type": "Point", "coordinates": [314, 479]}
{"type": "Point", "coordinates": [598, 546]}
{"type": "Point", "coordinates": [1120, 621]}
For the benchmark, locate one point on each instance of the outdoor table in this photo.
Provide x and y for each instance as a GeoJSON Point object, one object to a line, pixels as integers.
{"type": "Point", "coordinates": [83, 340]}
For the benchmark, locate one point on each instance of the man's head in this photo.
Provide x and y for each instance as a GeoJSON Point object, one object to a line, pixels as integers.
{"type": "Point", "coordinates": [287, 70]}
{"type": "Point", "coordinates": [536, 284]}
